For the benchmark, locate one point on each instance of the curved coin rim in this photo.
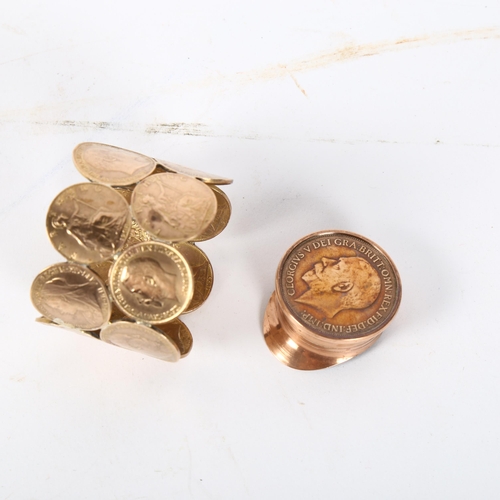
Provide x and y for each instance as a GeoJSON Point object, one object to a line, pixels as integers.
{"type": "Point", "coordinates": [133, 180]}
{"type": "Point", "coordinates": [98, 279]}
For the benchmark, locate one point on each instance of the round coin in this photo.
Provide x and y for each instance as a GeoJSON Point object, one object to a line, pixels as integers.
{"type": "Point", "coordinates": [173, 207]}
{"type": "Point", "coordinates": [111, 165]}
{"type": "Point", "coordinates": [142, 339]}
{"type": "Point", "coordinates": [88, 222]}
{"type": "Point", "coordinates": [203, 274]}
{"type": "Point", "coordinates": [180, 334]}
{"type": "Point", "coordinates": [72, 295]}
{"type": "Point", "coordinates": [151, 282]}
{"type": "Point", "coordinates": [339, 285]}
{"type": "Point", "coordinates": [221, 218]}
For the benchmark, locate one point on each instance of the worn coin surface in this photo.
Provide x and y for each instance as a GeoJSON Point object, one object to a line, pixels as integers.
{"type": "Point", "coordinates": [197, 174]}
{"type": "Point", "coordinates": [173, 207]}
{"type": "Point", "coordinates": [111, 165]}
{"type": "Point", "coordinates": [88, 222]}
{"type": "Point", "coordinates": [151, 282]}
{"type": "Point", "coordinates": [221, 218]}
{"type": "Point", "coordinates": [339, 285]}
{"type": "Point", "coordinates": [73, 295]}
{"type": "Point", "coordinates": [203, 274]}
{"type": "Point", "coordinates": [141, 338]}
{"type": "Point", "coordinates": [180, 334]}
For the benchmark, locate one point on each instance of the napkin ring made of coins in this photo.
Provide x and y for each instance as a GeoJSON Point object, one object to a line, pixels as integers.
{"type": "Point", "coordinates": [335, 293]}
{"type": "Point", "coordinates": [132, 266]}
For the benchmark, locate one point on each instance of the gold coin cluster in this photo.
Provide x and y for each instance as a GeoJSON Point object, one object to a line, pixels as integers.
{"type": "Point", "coordinates": [132, 266]}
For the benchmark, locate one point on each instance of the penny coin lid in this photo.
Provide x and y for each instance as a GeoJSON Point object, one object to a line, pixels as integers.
{"type": "Point", "coordinates": [197, 174]}
{"type": "Point", "coordinates": [141, 338]}
{"type": "Point", "coordinates": [111, 165]}
{"type": "Point", "coordinates": [338, 285]}
{"type": "Point", "coordinates": [80, 302]}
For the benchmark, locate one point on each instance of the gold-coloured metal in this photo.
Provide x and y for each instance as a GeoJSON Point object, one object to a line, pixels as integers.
{"type": "Point", "coordinates": [203, 274]}
{"type": "Point", "coordinates": [111, 165]}
{"type": "Point", "coordinates": [221, 218]}
{"type": "Point", "coordinates": [177, 331]}
{"type": "Point", "coordinates": [196, 174]}
{"type": "Point", "coordinates": [336, 292]}
{"type": "Point", "coordinates": [44, 321]}
{"type": "Point", "coordinates": [72, 295]}
{"type": "Point", "coordinates": [88, 223]}
{"type": "Point", "coordinates": [109, 230]}
{"type": "Point", "coordinates": [141, 338]}
{"type": "Point", "coordinates": [173, 207]}
{"type": "Point", "coordinates": [151, 282]}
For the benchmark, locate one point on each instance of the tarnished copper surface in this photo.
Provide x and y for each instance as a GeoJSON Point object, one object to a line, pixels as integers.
{"type": "Point", "coordinates": [72, 295]}
{"type": "Point", "coordinates": [88, 222]}
{"type": "Point", "coordinates": [196, 174]}
{"type": "Point", "coordinates": [151, 282]}
{"type": "Point", "coordinates": [141, 338]}
{"type": "Point", "coordinates": [221, 218]}
{"type": "Point", "coordinates": [173, 207]}
{"type": "Point", "coordinates": [177, 331]}
{"type": "Point", "coordinates": [203, 274]}
{"type": "Point", "coordinates": [111, 165]}
{"type": "Point", "coordinates": [335, 293]}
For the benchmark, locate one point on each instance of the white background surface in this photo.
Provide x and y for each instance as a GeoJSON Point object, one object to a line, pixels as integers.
{"type": "Point", "coordinates": [378, 117]}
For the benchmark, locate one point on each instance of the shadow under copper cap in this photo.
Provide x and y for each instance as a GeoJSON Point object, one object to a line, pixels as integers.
{"type": "Point", "coordinates": [336, 292]}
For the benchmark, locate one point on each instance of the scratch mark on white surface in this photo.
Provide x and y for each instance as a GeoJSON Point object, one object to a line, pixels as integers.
{"type": "Point", "coordinates": [32, 54]}
{"type": "Point", "coordinates": [354, 51]}
{"type": "Point", "coordinates": [175, 128]}
{"type": "Point", "coordinates": [298, 84]}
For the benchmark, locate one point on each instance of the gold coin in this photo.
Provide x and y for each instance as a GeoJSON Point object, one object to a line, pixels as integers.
{"type": "Point", "coordinates": [142, 339]}
{"type": "Point", "coordinates": [151, 282]}
{"type": "Point", "coordinates": [203, 274]}
{"type": "Point", "coordinates": [197, 174]}
{"type": "Point", "coordinates": [180, 334]}
{"type": "Point", "coordinates": [88, 222]}
{"type": "Point", "coordinates": [136, 235]}
{"type": "Point", "coordinates": [45, 321]}
{"type": "Point", "coordinates": [173, 207]}
{"type": "Point", "coordinates": [111, 165]}
{"type": "Point", "coordinates": [221, 218]}
{"type": "Point", "coordinates": [72, 295]}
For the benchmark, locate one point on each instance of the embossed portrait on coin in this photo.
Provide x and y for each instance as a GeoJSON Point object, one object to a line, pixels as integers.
{"type": "Point", "coordinates": [339, 284]}
{"type": "Point", "coordinates": [95, 229]}
{"type": "Point", "coordinates": [150, 284]}
{"type": "Point", "coordinates": [72, 301]}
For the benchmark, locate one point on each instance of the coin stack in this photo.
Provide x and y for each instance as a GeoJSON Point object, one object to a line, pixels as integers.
{"type": "Point", "coordinates": [129, 239]}
{"type": "Point", "coordinates": [336, 292]}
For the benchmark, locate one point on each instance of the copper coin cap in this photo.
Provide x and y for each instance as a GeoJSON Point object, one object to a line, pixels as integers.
{"type": "Point", "coordinates": [336, 292]}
